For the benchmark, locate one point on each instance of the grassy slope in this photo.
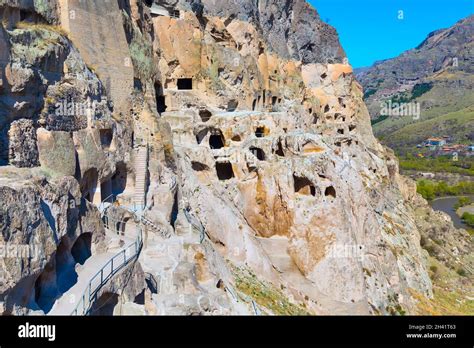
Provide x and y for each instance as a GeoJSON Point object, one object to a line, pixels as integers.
{"type": "Point", "coordinates": [452, 114]}
{"type": "Point", "coordinates": [455, 124]}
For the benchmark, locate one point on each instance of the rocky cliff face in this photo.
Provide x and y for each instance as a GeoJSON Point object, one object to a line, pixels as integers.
{"type": "Point", "coordinates": [239, 129]}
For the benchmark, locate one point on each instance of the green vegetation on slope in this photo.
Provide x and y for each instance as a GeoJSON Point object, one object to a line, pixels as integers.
{"type": "Point", "coordinates": [446, 109]}
{"type": "Point", "coordinates": [431, 190]}
{"type": "Point", "coordinates": [264, 293]}
{"type": "Point", "coordinates": [465, 166]}
{"type": "Point", "coordinates": [455, 124]}
{"type": "Point", "coordinates": [468, 219]}
{"type": "Point", "coordinates": [462, 202]}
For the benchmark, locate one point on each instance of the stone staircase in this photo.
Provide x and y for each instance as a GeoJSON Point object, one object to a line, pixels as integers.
{"type": "Point", "coordinates": [141, 175]}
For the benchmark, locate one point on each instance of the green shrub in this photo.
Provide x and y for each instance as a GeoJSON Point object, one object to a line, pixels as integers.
{"type": "Point", "coordinates": [369, 92]}
{"type": "Point", "coordinates": [379, 119]}
{"type": "Point", "coordinates": [420, 89]}
{"type": "Point", "coordinates": [462, 202]}
{"type": "Point", "coordinates": [468, 219]}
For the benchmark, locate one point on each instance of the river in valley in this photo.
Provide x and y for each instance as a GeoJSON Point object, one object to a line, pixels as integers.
{"type": "Point", "coordinates": [446, 204]}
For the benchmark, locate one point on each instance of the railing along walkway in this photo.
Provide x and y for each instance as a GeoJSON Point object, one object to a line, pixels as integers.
{"type": "Point", "coordinates": [110, 265]}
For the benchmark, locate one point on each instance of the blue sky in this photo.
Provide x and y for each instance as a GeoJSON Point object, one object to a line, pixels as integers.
{"type": "Point", "coordinates": [370, 29]}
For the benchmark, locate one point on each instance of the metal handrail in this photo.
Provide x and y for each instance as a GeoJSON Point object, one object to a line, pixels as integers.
{"type": "Point", "coordinates": [91, 291]}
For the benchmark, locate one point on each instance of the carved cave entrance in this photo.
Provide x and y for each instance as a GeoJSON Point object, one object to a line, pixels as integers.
{"type": "Point", "coordinates": [224, 171]}
{"type": "Point", "coordinates": [304, 186]}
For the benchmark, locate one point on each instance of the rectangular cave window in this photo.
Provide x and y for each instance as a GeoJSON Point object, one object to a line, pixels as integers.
{"type": "Point", "coordinates": [224, 171]}
{"type": "Point", "coordinates": [137, 84]}
{"type": "Point", "coordinates": [185, 84]}
{"type": "Point", "coordinates": [260, 132]}
{"type": "Point", "coordinates": [274, 100]}
{"type": "Point", "coordinates": [175, 14]}
{"type": "Point", "coordinates": [106, 136]}
{"type": "Point", "coordinates": [216, 140]}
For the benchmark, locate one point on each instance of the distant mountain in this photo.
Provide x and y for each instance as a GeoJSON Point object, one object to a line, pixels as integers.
{"type": "Point", "coordinates": [438, 74]}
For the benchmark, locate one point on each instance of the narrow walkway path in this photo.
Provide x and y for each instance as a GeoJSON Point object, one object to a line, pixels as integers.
{"type": "Point", "coordinates": [91, 276]}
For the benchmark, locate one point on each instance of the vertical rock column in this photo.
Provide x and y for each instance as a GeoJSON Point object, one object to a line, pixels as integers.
{"type": "Point", "coordinates": [96, 29]}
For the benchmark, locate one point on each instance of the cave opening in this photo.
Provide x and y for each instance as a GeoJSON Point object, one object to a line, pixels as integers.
{"type": "Point", "coordinates": [106, 191]}
{"type": "Point", "coordinates": [105, 304]}
{"type": "Point", "coordinates": [232, 105]}
{"type": "Point", "coordinates": [279, 151]}
{"type": "Point", "coordinates": [205, 115]}
{"type": "Point", "coordinates": [224, 171]}
{"type": "Point", "coordinates": [160, 98]}
{"type": "Point", "coordinates": [81, 250]}
{"type": "Point", "coordinates": [199, 167]}
{"type": "Point", "coordinates": [304, 186]}
{"type": "Point", "coordinates": [185, 84]}
{"type": "Point", "coordinates": [119, 180]}
{"type": "Point", "coordinates": [259, 153]}
{"type": "Point", "coordinates": [260, 132]}
{"type": "Point", "coordinates": [330, 192]}
{"type": "Point", "coordinates": [341, 102]}
{"type": "Point", "coordinates": [58, 276]}
{"type": "Point", "coordinates": [274, 100]}
{"type": "Point", "coordinates": [106, 136]}
{"type": "Point", "coordinates": [236, 138]}
{"type": "Point", "coordinates": [45, 288]}
{"type": "Point", "coordinates": [175, 13]}
{"type": "Point", "coordinates": [254, 104]}
{"type": "Point", "coordinates": [66, 275]}
{"type": "Point", "coordinates": [140, 298]}
{"type": "Point", "coordinates": [89, 184]}
{"type": "Point", "coordinates": [216, 140]}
